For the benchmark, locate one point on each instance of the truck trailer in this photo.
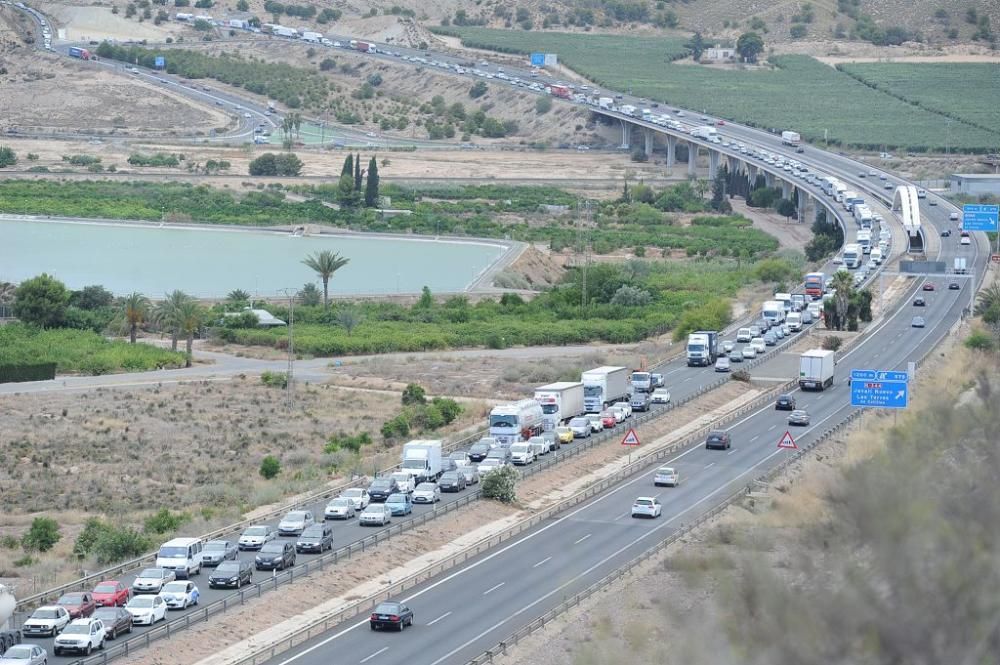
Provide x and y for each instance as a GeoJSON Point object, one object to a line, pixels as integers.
{"type": "Point", "coordinates": [791, 138]}
{"type": "Point", "coordinates": [77, 52]}
{"type": "Point", "coordinates": [816, 369]}
{"type": "Point", "coordinates": [702, 348]}
{"type": "Point", "coordinates": [603, 386]}
{"type": "Point", "coordinates": [606, 103]}
{"type": "Point", "coordinates": [313, 37]}
{"type": "Point", "coordinates": [560, 91]}
{"type": "Point", "coordinates": [560, 402]}
{"type": "Point", "coordinates": [422, 460]}
{"type": "Point", "coordinates": [510, 423]}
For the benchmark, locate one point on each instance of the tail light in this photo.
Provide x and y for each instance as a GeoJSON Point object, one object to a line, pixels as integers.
{"type": "Point", "coordinates": [393, 617]}
{"type": "Point", "coordinates": [374, 617]}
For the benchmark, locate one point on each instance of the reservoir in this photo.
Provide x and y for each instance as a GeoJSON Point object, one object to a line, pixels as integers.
{"type": "Point", "coordinates": [211, 261]}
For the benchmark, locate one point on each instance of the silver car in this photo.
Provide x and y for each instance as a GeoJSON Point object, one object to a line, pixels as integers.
{"type": "Point", "coordinates": [358, 496]}
{"type": "Point", "coordinates": [295, 522]}
{"type": "Point", "coordinates": [340, 508]}
{"type": "Point", "coordinates": [470, 472]}
{"type": "Point", "coordinates": [581, 427]}
{"type": "Point", "coordinates": [375, 514]}
{"type": "Point", "coordinates": [24, 654]}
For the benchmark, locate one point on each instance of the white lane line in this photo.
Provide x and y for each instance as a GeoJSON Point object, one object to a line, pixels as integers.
{"type": "Point", "coordinates": [731, 452]}
{"type": "Point", "coordinates": [755, 438]}
{"type": "Point", "coordinates": [367, 658]}
{"type": "Point", "coordinates": [621, 516]}
{"type": "Point", "coordinates": [710, 465]}
{"type": "Point", "coordinates": [446, 614]}
{"type": "Point", "coordinates": [543, 561]}
{"type": "Point", "coordinates": [582, 539]}
{"type": "Point", "coordinates": [493, 588]}
{"type": "Point", "coordinates": [772, 427]}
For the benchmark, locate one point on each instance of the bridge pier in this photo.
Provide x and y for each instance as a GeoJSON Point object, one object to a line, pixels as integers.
{"type": "Point", "coordinates": [692, 158]}
{"type": "Point", "coordinates": [713, 163]}
{"type": "Point", "coordinates": [805, 202]}
{"type": "Point", "coordinates": [751, 172]}
{"type": "Point", "coordinates": [768, 179]}
{"type": "Point", "coordinates": [671, 150]}
{"type": "Point", "coordinates": [626, 134]}
{"type": "Point", "coordinates": [786, 189]}
{"type": "Point", "coordinates": [649, 135]}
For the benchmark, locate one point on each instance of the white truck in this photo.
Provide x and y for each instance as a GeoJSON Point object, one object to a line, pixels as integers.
{"type": "Point", "coordinates": [603, 386]}
{"type": "Point", "coordinates": [606, 103]}
{"type": "Point", "coordinates": [960, 265]}
{"type": "Point", "coordinates": [642, 382]}
{"type": "Point", "coordinates": [704, 132]}
{"type": "Point", "coordinates": [628, 110]}
{"type": "Point", "coordinates": [282, 31]}
{"type": "Point", "coordinates": [313, 37]}
{"type": "Point", "coordinates": [794, 321]}
{"type": "Point", "coordinates": [816, 369]}
{"type": "Point", "coordinates": [852, 255]}
{"type": "Point", "coordinates": [865, 240]}
{"type": "Point", "coordinates": [791, 138]}
{"type": "Point", "coordinates": [9, 636]}
{"type": "Point", "coordinates": [774, 311]}
{"type": "Point", "coordinates": [422, 460]}
{"type": "Point", "coordinates": [560, 402]}
{"type": "Point", "coordinates": [702, 348]}
{"type": "Point", "coordinates": [510, 423]}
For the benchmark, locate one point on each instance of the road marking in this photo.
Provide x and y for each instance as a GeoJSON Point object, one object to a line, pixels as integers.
{"type": "Point", "coordinates": [771, 428]}
{"type": "Point", "coordinates": [621, 516]}
{"type": "Point", "coordinates": [710, 465]}
{"type": "Point", "coordinates": [582, 539]}
{"type": "Point", "coordinates": [446, 614]}
{"type": "Point", "coordinates": [755, 438]}
{"type": "Point", "coordinates": [731, 452]}
{"type": "Point", "coordinates": [493, 588]}
{"type": "Point", "coordinates": [367, 658]}
{"type": "Point", "coordinates": [542, 562]}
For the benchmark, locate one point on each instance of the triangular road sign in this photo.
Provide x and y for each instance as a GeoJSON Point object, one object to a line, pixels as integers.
{"type": "Point", "coordinates": [631, 439]}
{"type": "Point", "coordinates": [787, 441]}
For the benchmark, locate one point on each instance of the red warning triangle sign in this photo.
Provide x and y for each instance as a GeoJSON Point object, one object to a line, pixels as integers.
{"type": "Point", "coordinates": [631, 438]}
{"type": "Point", "coordinates": [787, 441]}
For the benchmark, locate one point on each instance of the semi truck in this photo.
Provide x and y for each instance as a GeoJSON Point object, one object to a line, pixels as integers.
{"type": "Point", "coordinates": [422, 460]}
{"type": "Point", "coordinates": [702, 348]}
{"type": "Point", "coordinates": [852, 255]}
{"type": "Point", "coordinates": [560, 402]}
{"type": "Point", "coordinates": [510, 423]}
{"type": "Point", "coordinates": [182, 16]}
{"type": "Point", "coordinates": [364, 47]}
{"type": "Point", "coordinates": [313, 37]}
{"type": "Point", "coordinates": [960, 265]}
{"type": "Point", "coordinates": [816, 369]}
{"type": "Point", "coordinates": [815, 282]}
{"type": "Point", "coordinates": [560, 91]}
{"type": "Point", "coordinates": [642, 382]}
{"type": "Point", "coordinates": [77, 52]}
{"type": "Point", "coordinates": [773, 312]}
{"type": "Point", "coordinates": [9, 636]}
{"type": "Point", "coordinates": [282, 31]}
{"type": "Point", "coordinates": [865, 240]}
{"type": "Point", "coordinates": [603, 386]}
{"type": "Point", "coordinates": [704, 132]}
{"type": "Point", "coordinates": [791, 138]}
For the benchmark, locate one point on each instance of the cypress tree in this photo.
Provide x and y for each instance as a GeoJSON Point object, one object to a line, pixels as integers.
{"type": "Point", "coordinates": [357, 173]}
{"type": "Point", "coordinates": [371, 187]}
{"type": "Point", "coordinates": [348, 165]}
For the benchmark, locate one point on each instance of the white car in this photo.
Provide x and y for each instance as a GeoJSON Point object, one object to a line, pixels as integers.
{"type": "Point", "coordinates": [404, 481]}
{"type": "Point", "coordinates": [180, 595]}
{"type": "Point", "coordinates": [427, 493]}
{"type": "Point", "coordinates": [521, 453]}
{"type": "Point", "coordinates": [254, 537]}
{"type": "Point", "coordinates": [728, 346]}
{"type": "Point", "coordinates": [647, 506]}
{"type": "Point", "coordinates": [358, 496]}
{"type": "Point", "coordinates": [24, 654]}
{"type": "Point", "coordinates": [748, 352]}
{"type": "Point", "coordinates": [624, 406]}
{"type": "Point", "coordinates": [246, 114]}
{"type": "Point", "coordinates": [758, 344]}
{"type": "Point", "coordinates": [661, 396]}
{"type": "Point", "coordinates": [375, 513]}
{"type": "Point", "coordinates": [340, 508]}
{"type": "Point", "coordinates": [487, 465]}
{"type": "Point", "coordinates": [666, 475]}
{"type": "Point", "coordinates": [151, 580]}
{"type": "Point", "coordinates": [295, 522]}
{"type": "Point", "coordinates": [48, 620]}
{"type": "Point", "coordinates": [596, 424]}
{"type": "Point", "coordinates": [80, 636]}
{"type": "Point", "coordinates": [147, 610]}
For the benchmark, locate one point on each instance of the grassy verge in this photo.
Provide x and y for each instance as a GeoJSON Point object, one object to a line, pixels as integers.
{"type": "Point", "coordinates": [80, 351]}
{"type": "Point", "coordinates": [799, 93]}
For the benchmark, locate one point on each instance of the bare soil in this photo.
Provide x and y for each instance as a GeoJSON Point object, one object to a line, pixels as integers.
{"type": "Point", "coordinates": [195, 447]}
{"type": "Point", "coordinates": [790, 233]}
{"type": "Point", "coordinates": [85, 21]}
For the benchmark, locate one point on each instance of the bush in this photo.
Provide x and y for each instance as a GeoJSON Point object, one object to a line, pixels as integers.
{"type": "Point", "coordinates": [414, 394]}
{"type": "Point", "coordinates": [352, 442]}
{"type": "Point", "coordinates": [159, 159]}
{"type": "Point", "coordinates": [478, 89]}
{"type": "Point", "coordinates": [543, 105]}
{"type": "Point", "coordinates": [500, 484]}
{"type": "Point", "coordinates": [832, 343]}
{"type": "Point", "coordinates": [979, 340]}
{"type": "Point", "coordinates": [7, 157]}
{"type": "Point", "coordinates": [270, 467]}
{"type": "Point", "coordinates": [274, 379]}
{"type": "Point", "coordinates": [269, 164]}
{"type": "Point", "coordinates": [109, 543]}
{"type": "Point", "coordinates": [741, 375]}
{"type": "Point", "coordinates": [42, 536]}
{"type": "Point", "coordinates": [164, 521]}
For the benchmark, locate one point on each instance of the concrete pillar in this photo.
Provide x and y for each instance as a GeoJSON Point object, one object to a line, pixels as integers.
{"type": "Point", "coordinates": [649, 135]}
{"type": "Point", "coordinates": [768, 179]}
{"type": "Point", "coordinates": [626, 135]}
{"type": "Point", "coordinates": [804, 202]}
{"type": "Point", "coordinates": [713, 163]}
{"type": "Point", "coordinates": [692, 157]}
{"type": "Point", "coordinates": [751, 172]}
{"type": "Point", "coordinates": [671, 150]}
{"type": "Point", "coordinates": [732, 164]}
{"type": "Point", "coordinates": [786, 189]}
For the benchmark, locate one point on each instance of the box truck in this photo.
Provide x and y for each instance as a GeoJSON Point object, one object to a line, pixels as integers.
{"type": "Point", "coordinates": [773, 311]}
{"type": "Point", "coordinates": [560, 402]}
{"type": "Point", "coordinates": [816, 369]}
{"type": "Point", "coordinates": [519, 421]}
{"type": "Point", "coordinates": [642, 382]}
{"type": "Point", "coordinates": [602, 386]}
{"type": "Point", "coordinates": [702, 348]}
{"type": "Point", "coordinates": [77, 52]}
{"type": "Point", "coordinates": [815, 281]}
{"type": "Point", "coordinates": [606, 103]}
{"type": "Point", "coordinates": [313, 37]}
{"type": "Point", "coordinates": [422, 460]}
{"type": "Point", "coordinates": [791, 138]}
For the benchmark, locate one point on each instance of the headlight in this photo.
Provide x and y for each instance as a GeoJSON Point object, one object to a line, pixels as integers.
{"type": "Point", "coordinates": [234, 579]}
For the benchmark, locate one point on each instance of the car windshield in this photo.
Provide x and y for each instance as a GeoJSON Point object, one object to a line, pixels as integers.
{"type": "Point", "coordinates": [141, 601]}
{"type": "Point", "coordinates": [396, 498]}
{"type": "Point", "coordinates": [387, 608]}
{"type": "Point", "coordinates": [256, 531]}
{"type": "Point", "coordinates": [295, 516]}
{"type": "Point", "coordinates": [45, 614]}
{"type": "Point", "coordinates": [71, 599]}
{"type": "Point", "coordinates": [426, 487]}
{"type": "Point", "coordinates": [315, 531]}
{"type": "Point", "coordinates": [503, 421]}
{"type": "Point", "coordinates": [215, 545]}
{"type": "Point", "coordinates": [77, 629]}
{"type": "Point", "coordinates": [273, 547]}
{"type": "Point", "coordinates": [351, 493]}
{"type": "Point", "coordinates": [173, 552]}
{"type": "Point", "coordinates": [106, 588]}
{"type": "Point", "coordinates": [381, 484]}
{"type": "Point", "coordinates": [341, 503]}
{"type": "Point", "coordinates": [175, 587]}
{"type": "Point", "coordinates": [229, 567]}
{"type": "Point", "coordinates": [18, 653]}
{"type": "Point", "coordinates": [152, 572]}
{"type": "Point", "coordinates": [451, 476]}
{"type": "Point", "coordinates": [643, 502]}
{"type": "Point", "coordinates": [580, 422]}
{"type": "Point", "coordinates": [665, 469]}
{"type": "Point", "coordinates": [492, 461]}
{"type": "Point", "coordinates": [375, 508]}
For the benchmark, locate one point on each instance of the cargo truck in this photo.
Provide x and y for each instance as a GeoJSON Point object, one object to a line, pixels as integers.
{"type": "Point", "coordinates": [77, 52]}
{"type": "Point", "coordinates": [642, 382]}
{"type": "Point", "coordinates": [774, 311]}
{"type": "Point", "coordinates": [702, 348]}
{"type": "Point", "coordinates": [815, 281]}
{"type": "Point", "coordinates": [560, 91]}
{"type": "Point", "coordinates": [605, 103]}
{"type": "Point", "coordinates": [628, 110]}
{"type": "Point", "coordinates": [422, 460]}
{"type": "Point", "coordinates": [704, 132]}
{"type": "Point", "coordinates": [560, 402]}
{"type": "Point", "coordinates": [852, 255]}
{"type": "Point", "coordinates": [364, 47]}
{"type": "Point", "coordinates": [960, 265]}
{"type": "Point", "coordinates": [603, 386]}
{"type": "Point", "coordinates": [510, 423]}
{"type": "Point", "coordinates": [816, 369]}
{"type": "Point", "coordinates": [314, 37]}
{"type": "Point", "coordinates": [865, 240]}
{"type": "Point", "coordinates": [282, 31]}
{"type": "Point", "coordinates": [791, 138]}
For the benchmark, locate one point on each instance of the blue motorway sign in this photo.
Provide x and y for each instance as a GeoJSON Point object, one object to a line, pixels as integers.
{"type": "Point", "coordinates": [160, 62]}
{"type": "Point", "coordinates": [980, 217]}
{"type": "Point", "coordinates": [878, 375]}
{"type": "Point", "coordinates": [880, 394]}
{"type": "Point", "coordinates": [538, 59]}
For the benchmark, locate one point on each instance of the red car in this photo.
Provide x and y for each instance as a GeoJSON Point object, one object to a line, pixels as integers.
{"type": "Point", "coordinates": [79, 604]}
{"type": "Point", "coordinates": [111, 593]}
{"type": "Point", "coordinates": [928, 286]}
{"type": "Point", "coordinates": [608, 419]}
{"type": "Point", "coordinates": [721, 123]}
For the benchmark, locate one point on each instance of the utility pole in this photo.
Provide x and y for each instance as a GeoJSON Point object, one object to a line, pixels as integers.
{"type": "Point", "coordinates": [290, 293]}
{"type": "Point", "coordinates": [584, 238]}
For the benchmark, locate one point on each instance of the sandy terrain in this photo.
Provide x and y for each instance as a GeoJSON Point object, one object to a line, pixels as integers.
{"type": "Point", "coordinates": [790, 234]}
{"type": "Point", "coordinates": [91, 453]}
{"type": "Point", "coordinates": [86, 22]}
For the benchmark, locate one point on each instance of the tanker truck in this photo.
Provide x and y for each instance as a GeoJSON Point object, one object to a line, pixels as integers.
{"type": "Point", "coordinates": [9, 636]}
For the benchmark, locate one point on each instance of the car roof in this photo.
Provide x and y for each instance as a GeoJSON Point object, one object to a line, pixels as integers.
{"type": "Point", "coordinates": [645, 498]}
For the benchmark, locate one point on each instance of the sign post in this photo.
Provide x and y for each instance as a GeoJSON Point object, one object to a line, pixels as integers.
{"type": "Point", "coordinates": [880, 389]}
{"type": "Point", "coordinates": [632, 441]}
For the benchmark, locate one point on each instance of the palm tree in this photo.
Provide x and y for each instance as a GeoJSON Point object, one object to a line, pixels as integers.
{"type": "Point", "coordinates": [7, 291]}
{"type": "Point", "coordinates": [190, 316]}
{"type": "Point", "coordinates": [326, 263]}
{"type": "Point", "coordinates": [136, 310]}
{"type": "Point", "coordinates": [238, 298]}
{"type": "Point", "coordinates": [166, 315]}
{"type": "Point", "coordinates": [843, 287]}
{"type": "Point", "coordinates": [988, 299]}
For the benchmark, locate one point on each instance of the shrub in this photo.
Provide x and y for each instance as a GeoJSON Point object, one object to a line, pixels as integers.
{"type": "Point", "coordinates": [979, 340]}
{"type": "Point", "coordinates": [274, 379]}
{"type": "Point", "coordinates": [270, 467]}
{"type": "Point", "coordinates": [832, 343]}
{"type": "Point", "coordinates": [352, 442]}
{"type": "Point", "coordinates": [7, 157]}
{"type": "Point", "coordinates": [109, 543]}
{"type": "Point", "coordinates": [165, 521]}
{"type": "Point", "coordinates": [42, 536]}
{"type": "Point", "coordinates": [543, 105]}
{"type": "Point", "coordinates": [741, 375]}
{"type": "Point", "coordinates": [10, 542]}
{"type": "Point", "coordinates": [414, 394]}
{"type": "Point", "coordinates": [500, 484]}
{"type": "Point", "coordinates": [398, 426]}
{"type": "Point", "coordinates": [450, 409]}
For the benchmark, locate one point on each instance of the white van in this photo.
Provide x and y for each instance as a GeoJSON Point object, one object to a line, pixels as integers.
{"type": "Point", "coordinates": [794, 321]}
{"type": "Point", "coordinates": [743, 335]}
{"type": "Point", "coordinates": [181, 555]}
{"type": "Point", "coordinates": [876, 256]}
{"type": "Point", "coordinates": [521, 453]}
{"type": "Point", "coordinates": [758, 345]}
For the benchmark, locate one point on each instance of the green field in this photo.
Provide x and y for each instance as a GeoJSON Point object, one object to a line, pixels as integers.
{"type": "Point", "coordinates": [799, 93]}
{"type": "Point", "coordinates": [967, 92]}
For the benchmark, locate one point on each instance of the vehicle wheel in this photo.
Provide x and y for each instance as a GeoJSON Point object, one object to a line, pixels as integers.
{"type": "Point", "coordinates": [114, 633]}
{"type": "Point", "coordinates": [57, 652]}
{"type": "Point", "coordinates": [402, 625]}
{"type": "Point", "coordinates": [88, 650]}
{"type": "Point", "coordinates": [372, 626]}
{"type": "Point", "coordinates": [101, 645]}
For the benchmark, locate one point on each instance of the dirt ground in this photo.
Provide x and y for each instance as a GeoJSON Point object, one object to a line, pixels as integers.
{"type": "Point", "coordinates": [195, 447]}
{"type": "Point", "coordinates": [790, 233]}
{"type": "Point", "coordinates": [83, 21]}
